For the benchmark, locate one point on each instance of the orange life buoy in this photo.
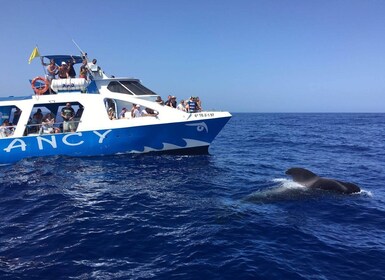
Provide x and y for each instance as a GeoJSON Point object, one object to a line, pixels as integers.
{"type": "Point", "coordinates": [40, 90]}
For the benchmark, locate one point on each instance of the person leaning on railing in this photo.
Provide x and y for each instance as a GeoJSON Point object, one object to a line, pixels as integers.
{"type": "Point", "coordinates": [47, 125]}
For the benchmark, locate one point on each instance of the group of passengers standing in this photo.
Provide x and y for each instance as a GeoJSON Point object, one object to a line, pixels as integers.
{"type": "Point", "coordinates": [66, 69]}
{"type": "Point", "coordinates": [46, 124]}
{"type": "Point", "coordinates": [135, 112]}
{"type": "Point", "coordinates": [191, 105]}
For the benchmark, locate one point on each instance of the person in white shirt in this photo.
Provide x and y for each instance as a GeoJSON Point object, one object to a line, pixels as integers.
{"type": "Point", "coordinates": [181, 106]}
{"type": "Point", "coordinates": [137, 112]}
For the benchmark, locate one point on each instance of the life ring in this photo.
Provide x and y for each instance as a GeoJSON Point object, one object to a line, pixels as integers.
{"type": "Point", "coordinates": [40, 90]}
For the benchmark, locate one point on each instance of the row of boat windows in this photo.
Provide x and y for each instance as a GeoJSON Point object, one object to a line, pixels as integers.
{"type": "Point", "coordinates": [38, 119]}
{"type": "Point", "coordinates": [10, 116]}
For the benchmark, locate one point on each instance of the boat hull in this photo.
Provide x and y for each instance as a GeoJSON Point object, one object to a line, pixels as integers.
{"type": "Point", "coordinates": [189, 137]}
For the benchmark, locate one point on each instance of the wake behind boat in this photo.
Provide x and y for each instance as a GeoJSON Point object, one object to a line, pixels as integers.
{"type": "Point", "coordinates": [91, 116]}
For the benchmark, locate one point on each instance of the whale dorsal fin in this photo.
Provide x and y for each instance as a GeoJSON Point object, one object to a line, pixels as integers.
{"type": "Point", "coordinates": [301, 174]}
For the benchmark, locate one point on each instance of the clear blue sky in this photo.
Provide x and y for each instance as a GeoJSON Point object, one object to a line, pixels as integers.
{"type": "Point", "coordinates": [240, 56]}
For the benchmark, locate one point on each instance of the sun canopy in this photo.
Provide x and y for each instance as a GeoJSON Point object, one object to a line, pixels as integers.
{"type": "Point", "coordinates": [60, 58]}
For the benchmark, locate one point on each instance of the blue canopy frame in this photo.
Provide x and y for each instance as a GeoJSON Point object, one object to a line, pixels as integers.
{"type": "Point", "coordinates": [60, 58]}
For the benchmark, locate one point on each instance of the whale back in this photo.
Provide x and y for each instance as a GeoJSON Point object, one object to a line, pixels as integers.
{"type": "Point", "coordinates": [311, 180]}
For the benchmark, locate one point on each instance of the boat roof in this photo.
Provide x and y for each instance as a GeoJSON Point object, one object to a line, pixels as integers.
{"type": "Point", "coordinates": [60, 58]}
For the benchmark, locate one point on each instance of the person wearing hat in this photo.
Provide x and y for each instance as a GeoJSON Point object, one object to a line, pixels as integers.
{"type": "Point", "coordinates": [63, 71]}
{"type": "Point", "coordinates": [171, 101]}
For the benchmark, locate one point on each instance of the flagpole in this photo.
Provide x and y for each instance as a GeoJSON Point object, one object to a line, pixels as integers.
{"type": "Point", "coordinates": [42, 63]}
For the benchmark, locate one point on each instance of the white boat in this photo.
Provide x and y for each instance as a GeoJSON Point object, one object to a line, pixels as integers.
{"type": "Point", "coordinates": [96, 129]}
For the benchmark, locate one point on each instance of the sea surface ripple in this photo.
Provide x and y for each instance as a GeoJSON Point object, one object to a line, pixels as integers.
{"type": "Point", "coordinates": [232, 214]}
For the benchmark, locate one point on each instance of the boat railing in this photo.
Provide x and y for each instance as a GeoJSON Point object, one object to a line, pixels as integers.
{"type": "Point", "coordinates": [38, 129]}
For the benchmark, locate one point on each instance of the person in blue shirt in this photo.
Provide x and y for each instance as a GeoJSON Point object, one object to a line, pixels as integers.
{"type": "Point", "coordinates": [191, 105]}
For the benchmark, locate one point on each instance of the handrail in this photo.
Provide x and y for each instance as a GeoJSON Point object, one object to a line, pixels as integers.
{"type": "Point", "coordinates": [38, 128]}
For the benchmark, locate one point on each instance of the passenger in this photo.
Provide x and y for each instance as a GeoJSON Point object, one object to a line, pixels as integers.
{"type": "Point", "coordinates": [172, 102]}
{"type": "Point", "coordinates": [16, 116]}
{"type": "Point", "coordinates": [48, 125]}
{"type": "Point", "coordinates": [79, 112]}
{"type": "Point", "coordinates": [122, 114]}
{"type": "Point", "coordinates": [6, 129]}
{"type": "Point", "coordinates": [198, 103]}
{"type": "Point", "coordinates": [132, 110]}
{"type": "Point", "coordinates": [78, 116]}
{"type": "Point", "coordinates": [159, 100]}
{"type": "Point", "coordinates": [68, 114]}
{"type": "Point", "coordinates": [92, 66]}
{"type": "Point", "coordinates": [149, 112]}
{"type": "Point", "coordinates": [52, 69]}
{"type": "Point", "coordinates": [35, 122]}
{"type": "Point", "coordinates": [94, 69]}
{"type": "Point", "coordinates": [71, 69]}
{"type": "Point", "coordinates": [38, 116]}
{"type": "Point", "coordinates": [83, 70]}
{"type": "Point", "coordinates": [137, 112]}
{"type": "Point", "coordinates": [63, 71]}
{"type": "Point", "coordinates": [191, 105]}
{"type": "Point", "coordinates": [111, 114]}
{"type": "Point", "coordinates": [181, 106]}
{"type": "Point", "coordinates": [167, 103]}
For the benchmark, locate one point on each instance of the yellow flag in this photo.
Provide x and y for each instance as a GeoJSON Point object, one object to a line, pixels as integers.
{"type": "Point", "coordinates": [34, 54]}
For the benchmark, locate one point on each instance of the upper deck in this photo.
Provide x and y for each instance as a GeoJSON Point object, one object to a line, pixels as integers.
{"type": "Point", "coordinates": [100, 99]}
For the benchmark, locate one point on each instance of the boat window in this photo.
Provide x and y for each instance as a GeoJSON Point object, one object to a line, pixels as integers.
{"type": "Point", "coordinates": [137, 88]}
{"type": "Point", "coordinates": [41, 113]}
{"type": "Point", "coordinates": [8, 113]}
{"type": "Point", "coordinates": [117, 87]}
{"type": "Point", "coordinates": [9, 117]}
{"type": "Point", "coordinates": [111, 108]}
{"type": "Point", "coordinates": [121, 109]}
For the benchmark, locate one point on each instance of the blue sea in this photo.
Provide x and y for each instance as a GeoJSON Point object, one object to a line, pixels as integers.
{"type": "Point", "coordinates": [233, 214]}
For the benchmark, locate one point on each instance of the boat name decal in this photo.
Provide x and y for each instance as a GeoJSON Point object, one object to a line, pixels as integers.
{"type": "Point", "coordinates": [204, 115]}
{"type": "Point", "coordinates": [68, 85]}
{"type": "Point", "coordinates": [70, 139]}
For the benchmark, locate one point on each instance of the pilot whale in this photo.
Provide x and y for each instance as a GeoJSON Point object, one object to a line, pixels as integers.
{"type": "Point", "coordinates": [311, 180]}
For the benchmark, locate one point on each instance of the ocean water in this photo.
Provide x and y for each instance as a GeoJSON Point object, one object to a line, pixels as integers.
{"type": "Point", "coordinates": [233, 214]}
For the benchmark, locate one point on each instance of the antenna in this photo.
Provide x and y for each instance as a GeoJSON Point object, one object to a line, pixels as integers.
{"type": "Point", "coordinates": [81, 51]}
